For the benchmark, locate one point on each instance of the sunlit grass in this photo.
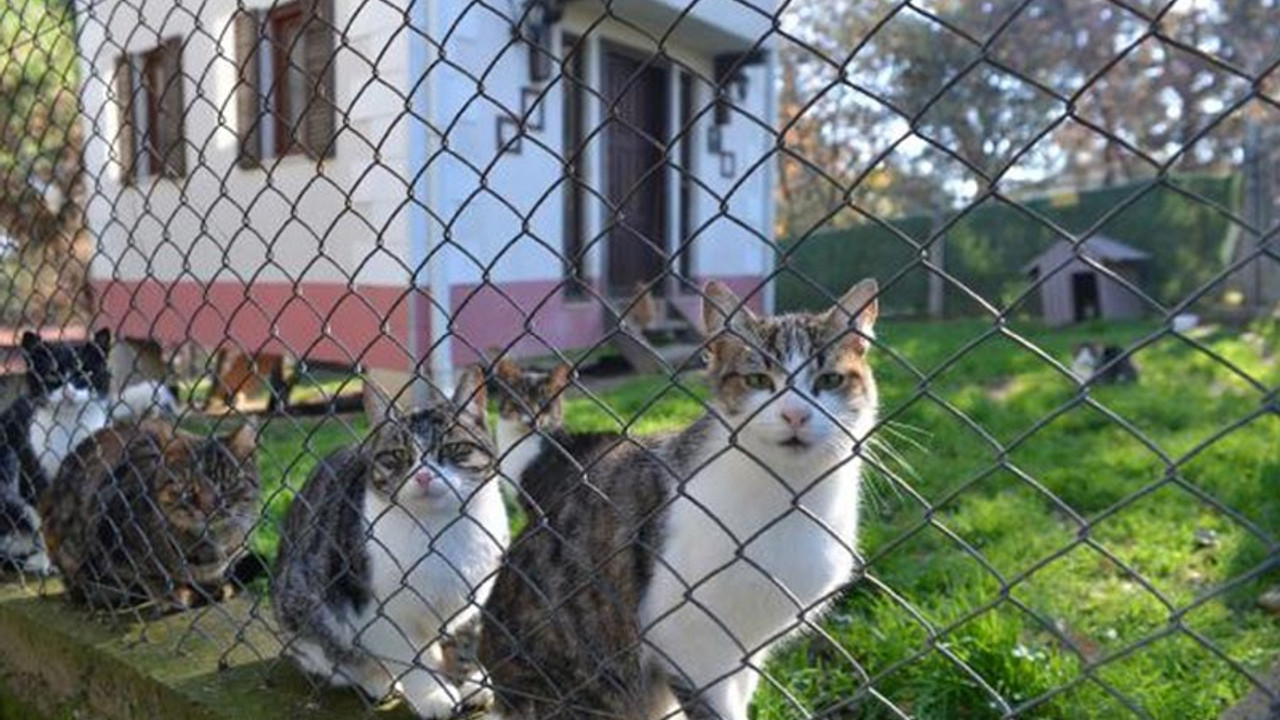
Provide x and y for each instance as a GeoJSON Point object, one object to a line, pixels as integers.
{"type": "Point", "coordinates": [1096, 551]}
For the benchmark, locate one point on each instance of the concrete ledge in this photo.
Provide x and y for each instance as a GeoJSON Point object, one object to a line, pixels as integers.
{"type": "Point", "coordinates": [216, 663]}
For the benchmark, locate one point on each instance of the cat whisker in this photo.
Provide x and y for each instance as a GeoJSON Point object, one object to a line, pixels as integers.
{"type": "Point", "coordinates": [879, 467]}
{"type": "Point", "coordinates": [908, 427]}
{"type": "Point", "coordinates": [895, 455]}
{"type": "Point", "coordinates": [876, 477]}
{"type": "Point", "coordinates": [898, 434]}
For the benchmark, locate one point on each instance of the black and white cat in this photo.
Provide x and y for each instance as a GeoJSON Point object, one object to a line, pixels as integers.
{"type": "Point", "coordinates": [65, 401]}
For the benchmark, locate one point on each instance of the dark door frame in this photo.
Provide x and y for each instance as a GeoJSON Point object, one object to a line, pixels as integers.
{"type": "Point", "coordinates": [655, 184]}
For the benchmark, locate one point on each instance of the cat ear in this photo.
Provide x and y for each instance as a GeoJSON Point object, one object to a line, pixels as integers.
{"type": "Point", "coordinates": [469, 395]}
{"type": "Point", "coordinates": [378, 405]}
{"type": "Point", "coordinates": [30, 341]}
{"type": "Point", "coordinates": [858, 310]}
{"type": "Point", "coordinates": [102, 339]}
{"type": "Point", "coordinates": [560, 378]}
{"type": "Point", "coordinates": [720, 307]}
{"type": "Point", "coordinates": [243, 440]}
{"type": "Point", "coordinates": [508, 372]}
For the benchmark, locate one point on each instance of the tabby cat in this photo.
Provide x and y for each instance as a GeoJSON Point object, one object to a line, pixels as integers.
{"type": "Point", "coordinates": [390, 548]}
{"type": "Point", "coordinates": [150, 513]}
{"type": "Point", "coordinates": [536, 453]}
{"type": "Point", "coordinates": [64, 402]}
{"type": "Point", "coordinates": [666, 582]}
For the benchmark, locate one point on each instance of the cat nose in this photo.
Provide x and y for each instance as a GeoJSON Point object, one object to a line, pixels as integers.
{"type": "Point", "coordinates": [797, 417]}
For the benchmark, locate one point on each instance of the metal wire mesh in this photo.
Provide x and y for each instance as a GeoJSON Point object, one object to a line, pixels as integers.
{"type": "Point", "coordinates": [1069, 499]}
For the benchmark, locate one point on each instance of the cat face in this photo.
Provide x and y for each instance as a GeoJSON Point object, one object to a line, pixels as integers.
{"type": "Point", "coordinates": [530, 398]}
{"type": "Point", "coordinates": [71, 372]}
{"type": "Point", "coordinates": [792, 385]}
{"type": "Point", "coordinates": [206, 482]}
{"type": "Point", "coordinates": [19, 530]}
{"type": "Point", "coordinates": [436, 456]}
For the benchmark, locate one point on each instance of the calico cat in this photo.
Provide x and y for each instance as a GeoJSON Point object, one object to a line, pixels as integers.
{"type": "Point", "coordinates": [147, 512]}
{"type": "Point", "coordinates": [390, 548]}
{"type": "Point", "coordinates": [536, 453]}
{"type": "Point", "coordinates": [664, 584]}
{"type": "Point", "coordinates": [64, 402]}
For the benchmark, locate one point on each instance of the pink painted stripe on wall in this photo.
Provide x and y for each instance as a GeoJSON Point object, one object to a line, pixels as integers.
{"type": "Point", "coordinates": [535, 316]}
{"type": "Point", "coordinates": [321, 321]}
{"type": "Point", "coordinates": [367, 325]}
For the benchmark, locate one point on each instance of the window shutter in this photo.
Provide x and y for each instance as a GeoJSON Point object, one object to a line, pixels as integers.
{"type": "Point", "coordinates": [173, 110]}
{"type": "Point", "coordinates": [248, 95]}
{"type": "Point", "coordinates": [124, 106]}
{"type": "Point", "coordinates": [320, 121]}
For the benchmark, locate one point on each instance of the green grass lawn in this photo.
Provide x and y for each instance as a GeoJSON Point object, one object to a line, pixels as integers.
{"type": "Point", "coordinates": [1021, 541]}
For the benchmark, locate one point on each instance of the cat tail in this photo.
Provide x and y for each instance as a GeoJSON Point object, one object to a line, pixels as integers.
{"type": "Point", "coordinates": [309, 619]}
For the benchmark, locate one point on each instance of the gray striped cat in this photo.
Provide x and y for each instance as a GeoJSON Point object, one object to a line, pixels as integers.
{"type": "Point", "coordinates": [663, 583]}
{"type": "Point", "coordinates": [390, 549]}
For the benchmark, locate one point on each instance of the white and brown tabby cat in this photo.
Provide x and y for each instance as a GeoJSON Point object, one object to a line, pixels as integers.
{"type": "Point", "coordinates": [390, 549]}
{"type": "Point", "coordinates": [665, 583]}
{"type": "Point", "coordinates": [536, 453]}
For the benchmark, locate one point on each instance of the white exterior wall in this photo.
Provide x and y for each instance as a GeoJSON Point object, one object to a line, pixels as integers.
{"type": "Point", "coordinates": [529, 185]}
{"type": "Point", "coordinates": [484, 222]}
{"type": "Point", "coordinates": [220, 214]}
{"type": "Point", "coordinates": [295, 228]}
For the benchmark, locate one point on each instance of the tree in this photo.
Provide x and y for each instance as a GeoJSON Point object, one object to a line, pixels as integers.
{"type": "Point", "coordinates": [1034, 95]}
{"type": "Point", "coordinates": [41, 174]}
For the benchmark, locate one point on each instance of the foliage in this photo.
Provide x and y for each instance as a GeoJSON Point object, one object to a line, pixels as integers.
{"type": "Point", "coordinates": [988, 246]}
{"type": "Point", "coordinates": [895, 108]}
{"type": "Point", "coordinates": [40, 165]}
{"type": "Point", "coordinates": [38, 102]}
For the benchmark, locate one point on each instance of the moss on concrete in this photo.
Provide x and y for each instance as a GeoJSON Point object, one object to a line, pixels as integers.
{"type": "Point", "coordinates": [11, 708]}
{"type": "Point", "coordinates": [216, 663]}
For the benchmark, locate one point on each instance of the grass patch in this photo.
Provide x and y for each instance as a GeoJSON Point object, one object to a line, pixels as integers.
{"type": "Point", "coordinates": [1088, 516]}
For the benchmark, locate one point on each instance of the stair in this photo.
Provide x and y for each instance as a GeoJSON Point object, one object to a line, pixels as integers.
{"type": "Point", "coordinates": [668, 343]}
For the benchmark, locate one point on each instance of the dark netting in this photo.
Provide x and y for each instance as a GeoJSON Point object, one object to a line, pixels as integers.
{"type": "Point", "coordinates": [237, 234]}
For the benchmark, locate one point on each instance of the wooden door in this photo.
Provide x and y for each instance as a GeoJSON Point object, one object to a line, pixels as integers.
{"type": "Point", "coordinates": [635, 99]}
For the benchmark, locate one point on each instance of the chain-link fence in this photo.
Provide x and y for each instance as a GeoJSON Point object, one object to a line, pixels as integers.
{"type": "Point", "coordinates": [515, 353]}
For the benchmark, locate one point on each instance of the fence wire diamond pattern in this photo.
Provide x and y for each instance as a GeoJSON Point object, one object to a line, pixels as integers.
{"type": "Point", "coordinates": [512, 356]}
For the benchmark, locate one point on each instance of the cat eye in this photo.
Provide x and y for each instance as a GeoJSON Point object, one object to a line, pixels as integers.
{"type": "Point", "coordinates": [459, 452]}
{"type": "Point", "coordinates": [758, 381]}
{"type": "Point", "coordinates": [828, 381]}
{"type": "Point", "coordinates": [393, 459]}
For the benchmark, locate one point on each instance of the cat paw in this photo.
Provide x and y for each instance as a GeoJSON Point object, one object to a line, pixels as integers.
{"type": "Point", "coordinates": [476, 694]}
{"type": "Point", "coordinates": [39, 564]}
{"type": "Point", "coordinates": [183, 598]}
{"type": "Point", "coordinates": [438, 704]}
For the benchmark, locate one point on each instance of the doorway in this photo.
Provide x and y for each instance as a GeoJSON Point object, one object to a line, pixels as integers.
{"type": "Point", "coordinates": [1084, 296]}
{"type": "Point", "coordinates": [636, 103]}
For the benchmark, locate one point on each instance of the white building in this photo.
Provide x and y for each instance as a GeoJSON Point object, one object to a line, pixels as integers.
{"type": "Point", "coordinates": [277, 175]}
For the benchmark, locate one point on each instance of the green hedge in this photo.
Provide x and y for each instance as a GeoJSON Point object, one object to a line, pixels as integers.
{"type": "Point", "coordinates": [988, 246]}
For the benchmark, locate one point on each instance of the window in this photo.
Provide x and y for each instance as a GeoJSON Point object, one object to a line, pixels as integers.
{"type": "Point", "coordinates": [149, 97]}
{"type": "Point", "coordinates": [285, 97]}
